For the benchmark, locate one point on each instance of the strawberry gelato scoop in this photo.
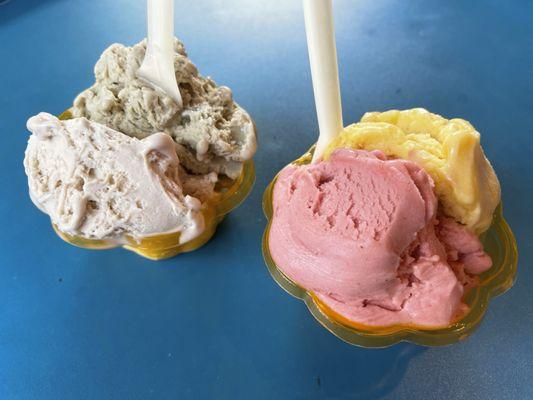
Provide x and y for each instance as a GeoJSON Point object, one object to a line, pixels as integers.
{"type": "Point", "coordinates": [361, 232]}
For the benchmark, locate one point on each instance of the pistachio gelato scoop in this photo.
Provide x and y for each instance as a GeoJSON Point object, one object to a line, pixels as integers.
{"type": "Point", "coordinates": [213, 133]}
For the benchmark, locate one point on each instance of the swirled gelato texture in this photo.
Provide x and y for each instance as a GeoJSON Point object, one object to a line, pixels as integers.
{"type": "Point", "coordinates": [448, 150]}
{"type": "Point", "coordinates": [361, 232]}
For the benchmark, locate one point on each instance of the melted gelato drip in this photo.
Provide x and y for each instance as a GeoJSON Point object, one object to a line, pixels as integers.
{"type": "Point", "coordinates": [97, 183]}
{"type": "Point", "coordinates": [214, 134]}
{"type": "Point", "coordinates": [362, 233]}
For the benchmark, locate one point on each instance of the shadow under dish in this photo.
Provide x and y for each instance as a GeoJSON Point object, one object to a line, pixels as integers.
{"type": "Point", "coordinates": [498, 241]}
{"type": "Point", "coordinates": [157, 247]}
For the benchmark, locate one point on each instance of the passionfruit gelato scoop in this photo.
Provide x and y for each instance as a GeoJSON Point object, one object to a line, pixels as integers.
{"type": "Point", "coordinates": [448, 150]}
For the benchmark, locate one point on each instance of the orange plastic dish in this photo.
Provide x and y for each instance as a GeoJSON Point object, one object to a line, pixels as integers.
{"type": "Point", "coordinates": [157, 247]}
{"type": "Point", "coordinates": [499, 243]}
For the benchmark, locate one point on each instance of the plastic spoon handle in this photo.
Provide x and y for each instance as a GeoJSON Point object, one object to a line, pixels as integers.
{"type": "Point", "coordinates": [158, 64]}
{"type": "Point", "coordinates": [324, 71]}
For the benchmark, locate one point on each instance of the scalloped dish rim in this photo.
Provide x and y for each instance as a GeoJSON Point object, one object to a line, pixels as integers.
{"type": "Point", "coordinates": [235, 194]}
{"type": "Point", "coordinates": [497, 280]}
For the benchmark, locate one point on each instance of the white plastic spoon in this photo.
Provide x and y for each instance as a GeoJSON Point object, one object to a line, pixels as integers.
{"type": "Point", "coordinates": [158, 64]}
{"type": "Point", "coordinates": [324, 71]}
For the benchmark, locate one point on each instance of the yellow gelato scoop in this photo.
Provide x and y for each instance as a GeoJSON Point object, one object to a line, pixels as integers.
{"type": "Point", "coordinates": [449, 151]}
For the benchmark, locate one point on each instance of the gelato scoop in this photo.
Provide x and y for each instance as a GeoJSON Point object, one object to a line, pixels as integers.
{"type": "Point", "coordinates": [97, 183]}
{"type": "Point", "coordinates": [213, 133]}
{"type": "Point", "coordinates": [127, 165]}
{"type": "Point", "coordinates": [448, 150]}
{"type": "Point", "coordinates": [363, 233]}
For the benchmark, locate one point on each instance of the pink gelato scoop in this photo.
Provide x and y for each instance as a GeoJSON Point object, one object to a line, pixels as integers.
{"type": "Point", "coordinates": [362, 233]}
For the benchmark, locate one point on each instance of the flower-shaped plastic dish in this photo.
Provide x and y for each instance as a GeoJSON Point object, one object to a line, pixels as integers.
{"type": "Point", "coordinates": [231, 194]}
{"type": "Point", "coordinates": [499, 243]}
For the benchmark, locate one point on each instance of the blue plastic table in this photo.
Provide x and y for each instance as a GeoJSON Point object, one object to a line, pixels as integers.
{"type": "Point", "coordinates": [212, 324]}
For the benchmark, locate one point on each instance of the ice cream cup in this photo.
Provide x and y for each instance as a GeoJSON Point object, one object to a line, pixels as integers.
{"type": "Point", "coordinates": [499, 243]}
{"type": "Point", "coordinates": [231, 193]}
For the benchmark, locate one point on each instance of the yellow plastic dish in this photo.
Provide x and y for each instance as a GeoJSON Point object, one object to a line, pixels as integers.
{"type": "Point", "coordinates": [499, 243]}
{"type": "Point", "coordinates": [157, 247]}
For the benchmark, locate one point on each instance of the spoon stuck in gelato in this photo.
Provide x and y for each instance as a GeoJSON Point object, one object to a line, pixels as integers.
{"type": "Point", "coordinates": [130, 167]}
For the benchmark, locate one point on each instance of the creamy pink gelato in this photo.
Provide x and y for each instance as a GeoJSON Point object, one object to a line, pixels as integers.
{"type": "Point", "coordinates": [362, 233]}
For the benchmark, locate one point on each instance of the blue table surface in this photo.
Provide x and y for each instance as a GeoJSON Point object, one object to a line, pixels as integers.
{"type": "Point", "coordinates": [212, 324]}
